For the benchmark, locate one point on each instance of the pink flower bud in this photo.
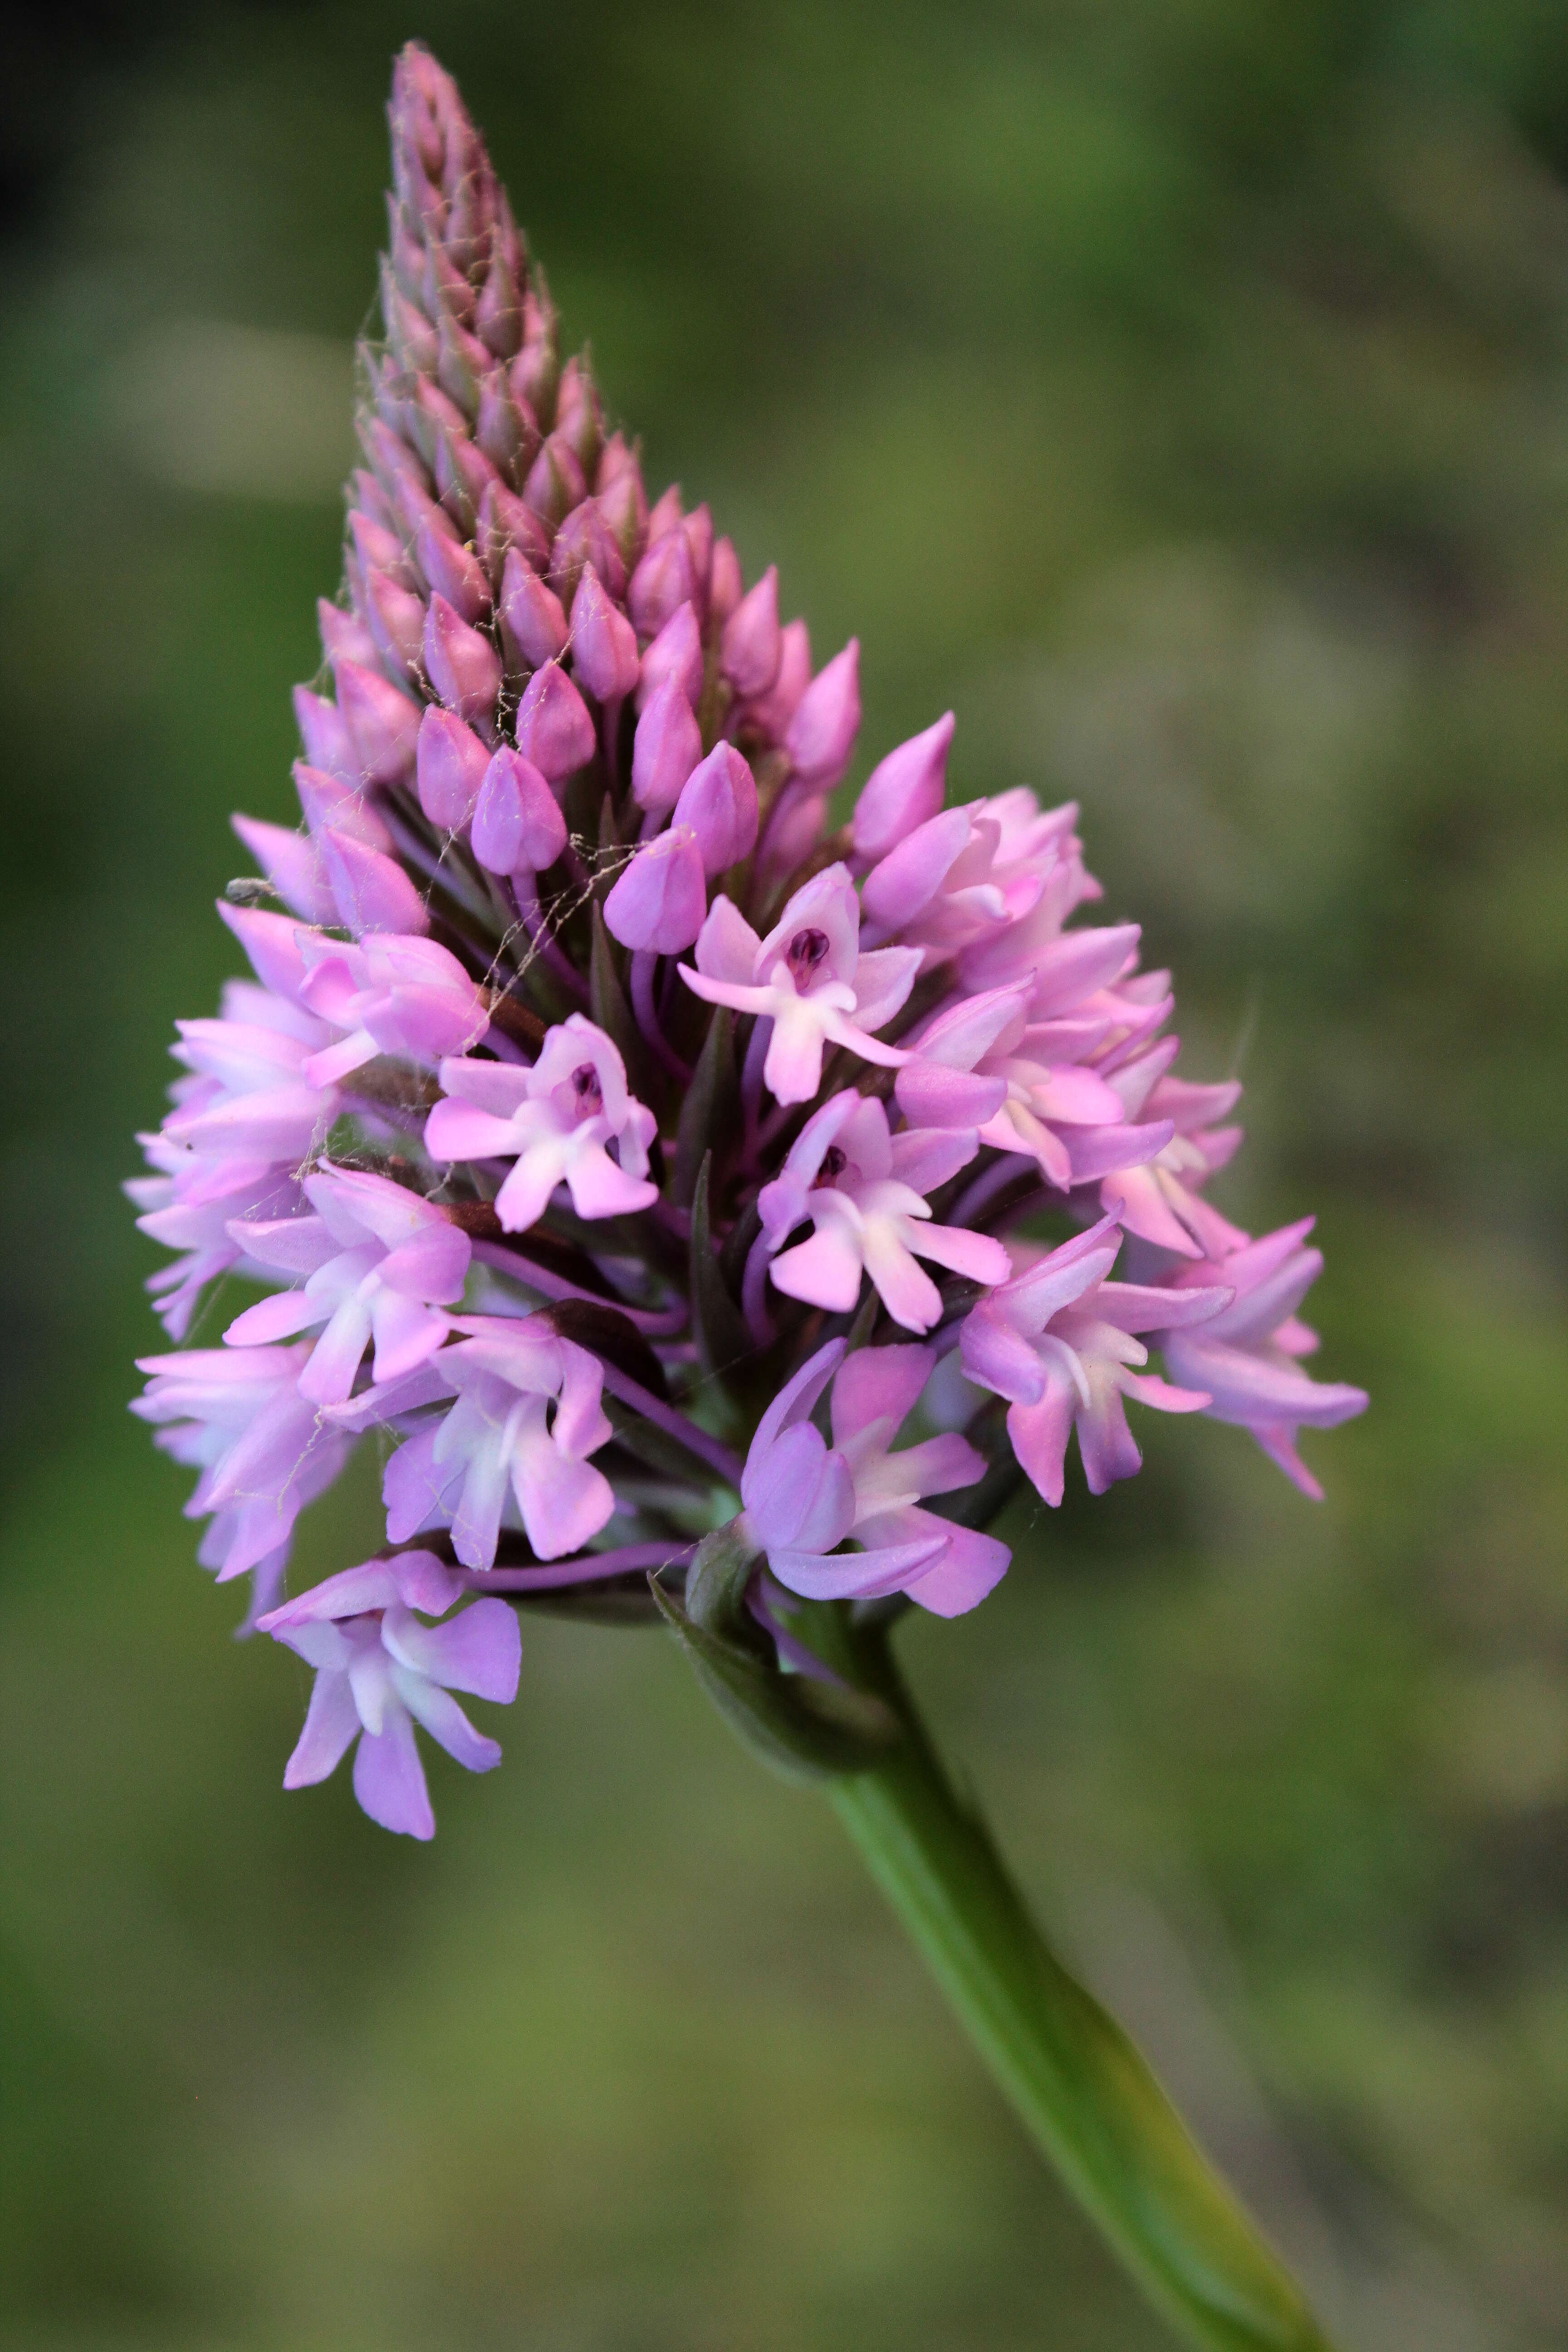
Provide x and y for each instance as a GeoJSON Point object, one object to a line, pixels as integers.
{"type": "Point", "coordinates": [324, 734]}
{"type": "Point", "coordinates": [516, 823]}
{"type": "Point", "coordinates": [383, 724]}
{"type": "Point", "coordinates": [532, 625]}
{"type": "Point", "coordinates": [449, 766]}
{"type": "Point", "coordinates": [697, 533]}
{"type": "Point", "coordinates": [344, 637]}
{"type": "Point", "coordinates": [667, 746]}
{"type": "Point", "coordinates": [662, 583]}
{"type": "Point", "coordinates": [505, 522]}
{"type": "Point", "coordinates": [463, 666]}
{"type": "Point", "coordinates": [661, 900]}
{"type": "Point", "coordinates": [292, 865]}
{"type": "Point", "coordinates": [380, 550]}
{"type": "Point", "coordinates": [453, 570]}
{"type": "Point", "coordinates": [622, 501]}
{"type": "Point", "coordinates": [749, 649]}
{"type": "Point", "coordinates": [553, 729]}
{"type": "Point", "coordinates": [583, 539]}
{"type": "Point", "coordinates": [604, 642]}
{"type": "Point", "coordinates": [395, 618]}
{"type": "Point", "coordinates": [724, 584]}
{"type": "Point", "coordinates": [554, 484]}
{"type": "Point", "coordinates": [771, 713]}
{"type": "Point", "coordinates": [677, 653]}
{"type": "Point", "coordinates": [373, 892]}
{"type": "Point", "coordinates": [719, 804]}
{"type": "Point", "coordinates": [822, 733]}
{"type": "Point", "coordinates": [903, 790]}
{"type": "Point", "coordinates": [665, 516]}
{"type": "Point", "coordinates": [331, 805]}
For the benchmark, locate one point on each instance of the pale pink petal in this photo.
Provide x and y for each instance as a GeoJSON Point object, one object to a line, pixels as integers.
{"type": "Point", "coordinates": [389, 1780]}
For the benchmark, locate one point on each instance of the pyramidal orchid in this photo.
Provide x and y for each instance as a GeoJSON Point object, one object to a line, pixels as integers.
{"type": "Point", "coordinates": [644, 1163]}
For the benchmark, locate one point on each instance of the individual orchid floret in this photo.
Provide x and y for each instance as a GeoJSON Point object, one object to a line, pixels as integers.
{"type": "Point", "coordinates": [803, 1499]}
{"type": "Point", "coordinates": [675, 657]}
{"type": "Point", "coordinates": [518, 826]}
{"type": "Point", "coordinates": [392, 995]}
{"type": "Point", "coordinates": [553, 729]}
{"type": "Point", "coordinates": [718, 802]}
{"type": "Point", "coordinates": [236, 1414]}
{"type": "Point", "coordinates": [529, 1414]}
{"type": "Point", "coordinates": [604, 642]}
{"type": "Point", "coordinates": [750, 647]}
{"type": "Point", "coordinates": [378, 1263]}
{"type": "Point", "coordinates": [372, 892]}
{"type": "Point", "coordinates": [943, 886]}
{"type": "Point", "coordinates": [821, 735]}
{"type": "Point", "coordinates": [556, 1122]}
{"type": "Point", "coordinates": [1057, 1342]}
{"type": "Point", "coordinates": [864, 1190]}
{"type": "Point", "coordinates": [659, 902]}
{"type": "Point", "coordinates": [1248, 1356]}
{"type": "Point", "coordinates": [532, 625]}
{"type": "Point", "coordinates": [809, 977]}
{"type": "Point", "coordinates": [667, 746]}
{"type": "Point", "coordinates": [978, 1065]}
{"type": "Point", "coordinates": [188, 1204]}
{"type": "Point", "coordinates": [252, 1095]}
{"type": "Point", "coordinates": [1159, 1199]}
{"type": "Point", "coordinates": [903, 792]}
{"type": "Point", "coordinates": [449, 767]}
{"type": "Point", "coordinates": [380, 1670]}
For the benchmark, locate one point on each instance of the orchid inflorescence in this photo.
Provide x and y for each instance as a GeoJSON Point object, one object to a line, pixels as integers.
{"type": "Point", "coordinates": [599, 1121]}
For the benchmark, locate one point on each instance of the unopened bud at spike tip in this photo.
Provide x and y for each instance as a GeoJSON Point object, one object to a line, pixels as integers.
{"type": "Point", "coordinates": [344, 637]}
{"type": "Point", "coordinates": [395, 618]}
{"type": "Point", "coordinates": [449, 767]}
{"type": "Point", "coordinates": [383, 724]}
{"type": "Point", "coordinates": [461, 664]}
{"type": "Point", "coordinates": [532, 625]}
{"type": "Point", "coordinates": [660, 901]}
{"type": "Point", "coordinates": [372, 892]}
{"type": "Point", "coordinates": [604, 642]}
{"type": "Point", "coordinates": [328, 803]}
{"type": "Point", "coordinates": [749, 652]}
{"type": "Point", "coordinates": [324, 733]}
{"type": "Point", "coordinates": [667, 746]}
{"type": "Point", "coordinates": [506, 523]}
{"type": "Point", "coordinates": [903, 790]}
{"type": "Point", "coordinates": [453, 570]}
{"type": "Point", "coordinates": [675, 652]}
{"type": "Point", "coordinates": [664, 581]}
{"type": "Point", "coordinates": [822, 733]}
{"type": "Point", "coordinates": [724, 585]}
{"type": "Point", "coordinates": [518, 824]}
{"type": "Point", "coordinates": [718, 804]}
{"type": "Point", "coordinates": [553, 729]}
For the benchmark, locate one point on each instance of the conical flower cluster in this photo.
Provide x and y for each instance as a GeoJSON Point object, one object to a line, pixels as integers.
{"type": "Point", "coordinates": [632, 1158]}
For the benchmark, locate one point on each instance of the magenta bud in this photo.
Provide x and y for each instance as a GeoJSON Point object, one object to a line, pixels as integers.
{"type": "Point", "coordinates": [504, 430]}
{"type": "Point", "coordinates": [532, 625]}
{"type": "Point", "coordinates": [749, 650]}
{"type": "Point", "coordinates": [392, 460]}
{"type": "Point", "coordinates": [718, 803]}
{"type": "Point", "coordinates": [380, 550]}
{"type": "Point", "coordinates": [662, 583]}
{"type": "Point", "coordinates": [822, 733]}
{"type": "Point", "coordinates": [373, 892]}
{"type": "Point", "coordinates": [452, 569]}
{"type": "Point", "coordinates": [667, 746]}
{"type": "Point", "coordinates": [290, 863]}
{"type": "Point", "coordinates": [331, 805]}
{"type": "Point", "coordinates": [603, 642]}
{"type": "Point", "coordinates": [324, 734]}
{"type": "Point", "coordinates": [622, 502]}
{"type": "Point", "coordinates": [661, 900]}
{"type": "Point", "coordinates": [517, 820]}
{"type": "Point", "coordinates": [698, 532]}
{"type": "Point", "coordinates": [665, 516]}
{"type": "Point", "coordinates": [343, 634]}
{"type": "Point", "coordinates": [395, 618]}
{"type": "Point", "coordinates": [585, 537]}
{"type": "Point", "coordinates": [724, 583]}
{"type": "Point", "coordinates": [677, 653]}
{"type": "Point", "coordinates": [553, 729]}
{"type": "Point", "coordinates": [383, 724]}
{"type": "Point", "coordinates": [450, 767]}
{"type": "Point", "coordinates": [902, 792]}
{"type": "Point", "coordinates": [463, 475]}
{"type": "Point", "coordinates": [505, 524]}
{"type": "Point", "coordinates": [771, 713]}
{"type": "Point", "coordinates": [554, 484]}
{"type": "Point", "coordinates": [461, 664]}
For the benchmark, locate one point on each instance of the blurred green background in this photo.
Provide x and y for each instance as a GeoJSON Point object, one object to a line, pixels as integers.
{"type": "Point", "coordinates": [1180, 391]}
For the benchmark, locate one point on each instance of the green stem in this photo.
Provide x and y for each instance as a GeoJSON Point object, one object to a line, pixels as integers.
{"type": "Point", "coordinates": [1073, 2075]}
